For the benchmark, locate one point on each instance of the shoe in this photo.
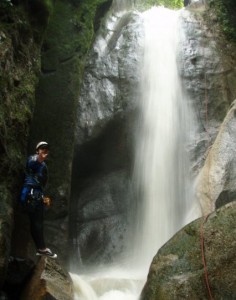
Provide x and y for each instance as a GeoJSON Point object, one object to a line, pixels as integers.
{"type": "Point", "coordinates": [46, 252]}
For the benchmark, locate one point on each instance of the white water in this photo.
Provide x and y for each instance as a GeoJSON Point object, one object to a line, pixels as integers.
{"type": "Point", "coordinates": [161, 169]}
{"type": "Point", "coordinates": [161, 179]}
{"type": "Point", "coordinates": [109, 284]}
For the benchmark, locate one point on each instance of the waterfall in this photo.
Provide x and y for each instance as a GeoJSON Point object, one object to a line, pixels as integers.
{"type": "Point", "coordinates": [161, 171]}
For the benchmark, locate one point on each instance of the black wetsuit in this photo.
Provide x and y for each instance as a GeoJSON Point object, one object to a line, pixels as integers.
{"type": "Point", "coordinates": [32, 197]}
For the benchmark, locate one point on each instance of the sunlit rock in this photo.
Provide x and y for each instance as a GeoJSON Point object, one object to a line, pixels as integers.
{"type": "Point", "coordinates": [110, 84]}
{"type": "Point", "coordinates": [216, 181]}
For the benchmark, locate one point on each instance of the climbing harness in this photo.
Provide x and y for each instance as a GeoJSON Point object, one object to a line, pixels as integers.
{"type": "Point", "coordinates": [203, 257]}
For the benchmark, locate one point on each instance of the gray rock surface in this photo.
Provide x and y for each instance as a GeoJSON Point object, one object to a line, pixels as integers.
{"type": "Point", "coordinates": [208, 69]}
{"type": "Point", "coordinates": [109, 96]}
{"type": "Point", "coordinates": [103, 153]}
{"type": "Point", "coordinates": [102, 219]}
{"type": "Point", "coordinates": [217, 177]}
{"type": "Point", "coordinates": [110, 84]}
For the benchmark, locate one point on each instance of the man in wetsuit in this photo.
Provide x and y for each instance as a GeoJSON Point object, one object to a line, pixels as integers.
{"type": "Point", "coordinates": [32, 196]}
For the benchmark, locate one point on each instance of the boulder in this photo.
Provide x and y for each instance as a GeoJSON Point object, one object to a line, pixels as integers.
{"type": "Point", "coordinates": [177, 270]}
{"type": "Point", "coordinates": [216, 181]}
{"type": "Point", "coordinates": [49, 281]}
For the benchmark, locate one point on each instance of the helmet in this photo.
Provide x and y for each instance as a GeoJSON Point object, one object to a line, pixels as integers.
{"type": "Point", "coordinates": [42, 145]}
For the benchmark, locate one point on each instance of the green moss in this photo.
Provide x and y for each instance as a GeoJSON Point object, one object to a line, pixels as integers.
{"type": "Point", "coordinates": [20, 60]}
{"type": "Point", "coordinates": [40, 12]}
{"type": "Point", "coordinates": [70, 32]}
{"type": "Point", "coordinates": [226, 14]}
{"type": "Point", "coordinates": [5, 5]}
{"type": "Point", "coordinates": [172, 4]}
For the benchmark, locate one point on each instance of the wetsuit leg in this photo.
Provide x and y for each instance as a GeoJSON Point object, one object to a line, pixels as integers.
{"type": "Point", "coordinates": [36, 226]}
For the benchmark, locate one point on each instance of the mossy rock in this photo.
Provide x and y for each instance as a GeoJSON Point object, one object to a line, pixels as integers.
{"type": "Point", "coordinates": [71, 31]}
{"type": "Point", "coordinates": [177, 270]}
{"type": "Point", "coordinates": [226, 14]}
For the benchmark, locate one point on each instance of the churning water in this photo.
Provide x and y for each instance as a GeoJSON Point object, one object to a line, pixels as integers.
{"type": "Point", "coordinates": [161, 171]}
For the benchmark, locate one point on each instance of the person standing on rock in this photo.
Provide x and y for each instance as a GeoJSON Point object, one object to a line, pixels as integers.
{"type": "Point", "coordinates": [32, 196]}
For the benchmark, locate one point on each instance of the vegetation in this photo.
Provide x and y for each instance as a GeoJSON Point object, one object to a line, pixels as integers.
{"type": "Point", "coordinates": [4, 4]}
{"type": "Point", "coordinates": [173, 4]}
{"type": "Point", "coordinates": [225, 11]}
{"type": "Point", "coordinates": [87, 21]}
{"type": "Point", "coordinates": [19, 65]}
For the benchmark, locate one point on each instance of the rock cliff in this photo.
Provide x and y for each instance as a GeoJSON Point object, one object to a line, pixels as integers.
{"type": "Point", "coordinates": [99, 103]}
{"type": "Point", "coordinates": [20, 42]}
{"type": "Point", "coordinates": [108, 101]}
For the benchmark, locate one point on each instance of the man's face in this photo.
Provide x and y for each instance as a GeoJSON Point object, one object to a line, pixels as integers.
{"type": "Point", "coordinates": [43, 153]}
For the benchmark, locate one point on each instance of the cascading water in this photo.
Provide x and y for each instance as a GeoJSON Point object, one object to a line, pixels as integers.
{"type": "Point", "coordinates": [161, 173]}
{"type": "Point", "coordinates": [161, 179]}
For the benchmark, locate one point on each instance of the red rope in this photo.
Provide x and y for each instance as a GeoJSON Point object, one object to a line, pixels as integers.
{"type": "Point", "coordinates": [206, 106]}
{"type": "Point", "coordinates": [204, 260]}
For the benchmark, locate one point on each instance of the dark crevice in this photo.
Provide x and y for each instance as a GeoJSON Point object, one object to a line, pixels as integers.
{"type": "Point", "coordinates": [48, 72]}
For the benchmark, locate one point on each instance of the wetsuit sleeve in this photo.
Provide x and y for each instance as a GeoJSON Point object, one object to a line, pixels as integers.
{"type": "Point", "coordinates": [32, 164]}
{"type": "Point", "coordinates": [36, 171]}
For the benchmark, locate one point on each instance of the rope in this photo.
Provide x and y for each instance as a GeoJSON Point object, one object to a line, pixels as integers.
{"type": "Point", "coordinates": [206, 104]}
{"type": "Point", "coordinates": [204, 259]}
{"type": "Point", "coordinates": [206, 217]}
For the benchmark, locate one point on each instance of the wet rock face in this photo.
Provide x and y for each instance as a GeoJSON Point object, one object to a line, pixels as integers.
{"type": "Point", "coordinates": [111, 89]}
{"type": "Point", "coordinates": [110, 84]}
{"type": "Point", "coordinates": [102, 221]}
{"type": "Point", "coordinates": [101, 193]}
{"type": "Point", "coordinates": [208, 72]}
{"type": "Point", "coordinates": [177, 271]}
{"type": "Point", "coordinates": [103, 154]}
